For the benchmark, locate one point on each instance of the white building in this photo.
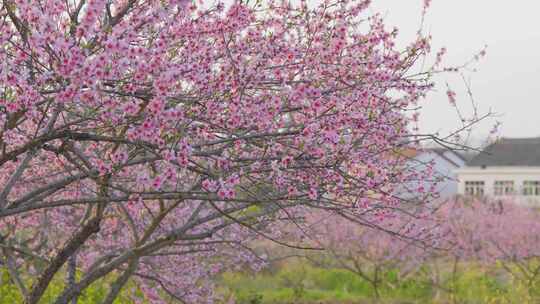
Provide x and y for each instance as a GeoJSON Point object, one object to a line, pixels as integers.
{"type": "Point", "coordinates": [508, 168]}
{"type": "Point", "coordinates": [445, 163]}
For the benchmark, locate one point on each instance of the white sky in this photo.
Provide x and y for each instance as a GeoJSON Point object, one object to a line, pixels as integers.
{"type": "Point", "coordinates": [508, 77]}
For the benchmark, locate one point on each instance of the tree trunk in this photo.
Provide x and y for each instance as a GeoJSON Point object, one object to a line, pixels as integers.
{"type": "Point", "coordinates": [71, 274]}
{"type": "Point", "coordinates": [39, 287]}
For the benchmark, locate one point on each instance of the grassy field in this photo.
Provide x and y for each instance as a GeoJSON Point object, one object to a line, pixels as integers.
{"type": "Point", "coordinates": [299, 282]}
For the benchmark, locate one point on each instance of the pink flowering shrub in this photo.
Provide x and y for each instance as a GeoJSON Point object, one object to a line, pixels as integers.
{"type": "Point", "coordinates": [373, 248]}
{"type": "Point", "coordinates": [433, 247]}
{"type": "Point", "coordinates": [494, 232]}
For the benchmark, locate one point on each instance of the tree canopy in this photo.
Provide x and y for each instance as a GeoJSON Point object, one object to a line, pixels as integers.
{"type": "Point", "coordinates": [153, 139]}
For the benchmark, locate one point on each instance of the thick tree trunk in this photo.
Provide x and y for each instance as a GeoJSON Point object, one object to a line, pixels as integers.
{"type": "Point", "coordinates": [71, 274]}
{"type": "Point", "coordinates": [39, 287]}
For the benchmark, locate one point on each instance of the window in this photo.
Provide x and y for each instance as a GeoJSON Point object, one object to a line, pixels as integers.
{"type": "Point", "coordinates": [474, 188]}
{"type": "Point", "coordinates": [531, 188]}
{"type": "Point", "coordinates": [503, 188]}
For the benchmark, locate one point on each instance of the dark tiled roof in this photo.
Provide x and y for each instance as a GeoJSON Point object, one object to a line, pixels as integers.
{"type": "Point", "coordinates": [467, 155]}
{"type": "Point", "coordinates": [509, 152]}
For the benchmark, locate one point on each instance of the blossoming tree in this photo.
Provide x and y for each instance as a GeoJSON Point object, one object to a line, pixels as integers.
{"type": "Point", "coordinates": [400, 242]}
{"type": "Point", "coordinates": [148, 141]}
{"type": "Point", "coordinates": [496, 232]}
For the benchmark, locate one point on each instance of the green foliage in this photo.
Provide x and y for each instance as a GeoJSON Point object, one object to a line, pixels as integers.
{"type": "Point", "coordinates": [96, 293]}
{"type": "Point", "coordinates": [8, 292]}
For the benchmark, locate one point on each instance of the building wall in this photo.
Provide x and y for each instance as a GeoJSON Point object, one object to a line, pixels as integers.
{"type": "Point", "coordinates": [442, 168]}
{"type": "Point", "coordinates": [491, 174]}
{"type": "Point", "coordinates": [454, 158]}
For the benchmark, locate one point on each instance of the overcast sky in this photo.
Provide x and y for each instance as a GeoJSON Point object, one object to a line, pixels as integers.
{"type": "Point", "coordinates": [507, 80]}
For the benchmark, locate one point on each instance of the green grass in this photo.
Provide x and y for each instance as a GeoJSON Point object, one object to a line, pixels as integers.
{"type": "Point", "coordinates": [300, 282]}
